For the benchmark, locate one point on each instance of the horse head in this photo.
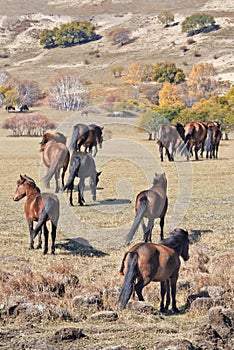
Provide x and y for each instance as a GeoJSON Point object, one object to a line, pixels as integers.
{"type": "Point", "coordinates": [160, 179]}
{"type": "Point", "coordinates": [183, 242]}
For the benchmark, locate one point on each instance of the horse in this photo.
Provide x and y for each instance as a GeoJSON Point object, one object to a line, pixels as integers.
{"type": "Point", "coordinates": [195, 135]}
{"type": "Point", "coordinates": [82, 165]}
{"type": "Point", "coordinates": [87, 135]}
{"type": "Point", "coordinates": [58, 137]}
{"type": "Point", "coordinates": [23, 108]}
{"type": "Point", "coordinates": [214, 136]}
{"type": "Point", "coordinates": [39, 207]}
{"type": "Point", "coordinates": [171, 138]}
{"type": "Point", "coordinates": [55, 156]}
{"type": "Point", "coordinates": [146, 262]}
{"type": "Point", "coordinates": [151, 204]}
{"type": "Point", "coordinates": [9, 108]}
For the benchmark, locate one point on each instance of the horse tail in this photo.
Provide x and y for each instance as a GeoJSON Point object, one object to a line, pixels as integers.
{"type": "Point", "coordinates": [74, 139]}
{"type": "Point", "coordinates": [127, 287]}
{"type": "Point", "coordinates": [74, 170]}
{"type": "Point", "coordinates": [44, 216]}
{"type": "Point", "coordinates": [138, 217]}
{"type": "Point", "coordinates": [189, 133]}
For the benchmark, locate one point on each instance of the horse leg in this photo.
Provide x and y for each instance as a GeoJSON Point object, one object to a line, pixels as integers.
{"type": "Point", "coordinates": [148, 231]}
{"type": "Point", "coordinates": [81, 200]}
{"type": "Point", "coordinates": [46, 234]}
{"type": "Point", "coordinates": [53, 237]}
{"type": "Point", "coordinates": [160, 150]}
{"type": "Point", "coordinates": [163, 291]}
{"type": "Point", "coordinates": [196, 152]}
{"type": "Point", "coordinates": [57, 175]}
{"type": "Point", "coordinates": [138, 288]}
{"type": "Point", "coordinates": [39, 245]}
{"type": "Point", "coordinates": [168, 299]}
{"type": "Point", "coordinates": [173, 292]}
{"type": "Point", "coordinates": [31, 231]}
{"type": "Point", "coordinates": [71, 189]}
{"type": "Point", "coordinates": [162, 219]}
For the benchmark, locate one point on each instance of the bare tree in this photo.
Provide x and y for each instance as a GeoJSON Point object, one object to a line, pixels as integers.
{"type": "Point", "coordinates": [67, 93]}
{"type": "Point", "coordinates": [28, 91]}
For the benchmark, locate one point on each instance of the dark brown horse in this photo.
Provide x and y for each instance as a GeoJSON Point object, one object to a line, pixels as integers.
{"type": "Point", "coordinates": [58, 137]}
{"type": "Point", "coordinates": [195, 135]}
{"type": "Point", "coordinates": [88, 136]}
{"type": "Point", "coordinates": [55, 156]}
{"type": "Point", "coordinates": [151, 204]}
{"type": "Point", "coordinates": [171, 138]}
{"type": "Point", "coordinates": [146, 262]}
{"type": "Point", "coordinates": [82, 165]}
{"type": "Point", "coordinates": [39, 207]}
{"type": "Point", "coordinates": [214, 136]}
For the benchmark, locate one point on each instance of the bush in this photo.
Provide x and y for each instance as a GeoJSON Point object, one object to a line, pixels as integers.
{"type": "Point", "coordinates": [198, 23]}
{"type": "Point", "coordinates": [167, 72]}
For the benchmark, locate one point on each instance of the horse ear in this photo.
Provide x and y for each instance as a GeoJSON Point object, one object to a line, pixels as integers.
{"type": "Point", "coordinates": [98, 174]}
{"type": "Point", "coordinates": [21, 177]}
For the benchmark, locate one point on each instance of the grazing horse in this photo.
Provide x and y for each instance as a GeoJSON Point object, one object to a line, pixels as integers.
{"type": "Point", "coordinates": [195, 135]}
{"type": "Point", "coordinates": [146, 262]}
{"type": "Point", "coordinates": [151, 204]}
{"type": "Point", "coordinates": [23, 108]}
{"type": "Point", "coordinates": [87, 135]}
{"type": "Point", "coordinates": [58, 137]}
{"type": "Point", "coordinates": [213, 139]}
{"type": "Point", "coordinates": [9, 108]}
{"type": "Point", "coordinates": [39, 207]}
{"type": "Point", "coordinates": [171, 138]}
{"type": "Point", "coordinates": [55, 156]}
{"type": "Point", "coordinates": [82, 165]}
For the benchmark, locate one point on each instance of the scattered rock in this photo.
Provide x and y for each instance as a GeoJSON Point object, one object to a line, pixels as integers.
{"type": "Point", "coordinates": [94, 299]}
{"type": "Point", "coordinates": [202, 303]}
{"type": "Point", "coordinates": [142, 306]}
{"type": "Point", "coordinates": [175, 344]}
{"type": "Point", "coordinates": [105, 315]}
{"type": "Point", "coordinates": [69, 334]}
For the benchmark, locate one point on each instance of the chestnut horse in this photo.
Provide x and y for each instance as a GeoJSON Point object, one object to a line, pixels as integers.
{"type": "Point", "coordinates": [55, 156]}
{"type": "Point", "coordinates": [151, 204]}
{"type": "Point", "coordinates": [195, 135]}
{"type": "Point", "coordinates": [88, 136]}
{"type": "Point", "coordinates": [58, 137]}
{"type": "Point", "coordinates": [39, 207]}
{"type": "Point", "coordinates": [146, 262]}
{"type": "Point", "coordinates": [213, 139]}
{"type": "Point", "coordinates": [82, 165]}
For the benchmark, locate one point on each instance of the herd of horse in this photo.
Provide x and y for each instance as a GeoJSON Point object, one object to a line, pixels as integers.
{"type": "Point", "coordinates": [145, 261]}
{"type": "Point", "coordinates": [193, 136]}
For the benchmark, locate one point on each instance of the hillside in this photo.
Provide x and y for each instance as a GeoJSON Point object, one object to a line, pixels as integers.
{"type": "Point", "coordinates": [22, 56]}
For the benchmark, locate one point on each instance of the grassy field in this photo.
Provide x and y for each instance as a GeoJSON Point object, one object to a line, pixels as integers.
{"type": "Point", "coordinates": [90, 243]}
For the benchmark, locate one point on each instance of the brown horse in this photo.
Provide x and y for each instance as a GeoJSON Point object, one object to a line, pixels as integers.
{"type": "Point", "coordinates": [146, 262]}
{"type": "Point", "coordinates": [88, 136]}
{"type": "Point", "coordinates": [82, 165]}
{"type": "Point", "coordinates": [39, 207]}
{"type": "Point", "coordinates": [213, 139]}
{"type": "Point", "coordinates": [151, 204]}
{"type": "Point", "coordinates": [55, 156]}
{"type": "Point", "coordinates": [195, 135]}
{"type": "Point", "coordinates": [171, 138]}
{"type": "Point", "coordinates": [58, 137]}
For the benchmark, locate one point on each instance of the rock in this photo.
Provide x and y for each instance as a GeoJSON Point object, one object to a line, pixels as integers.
{"type": "Point", "coordinates": [105, 315]}
{"type": "Point", "coordinates": [220, 322]}
{"type": "Point", "coordinates": [68, 333]}
{"type": "Point", "coordinates": [93, 299]}
{"type": "Point", "coordinates": [213, 291]}
{"type": "Point", "coordinates": [115, 347]}
{"type": "Point", "coordinates": [202, 303]}
{"type": "Point", "coordinates": [142, 306]}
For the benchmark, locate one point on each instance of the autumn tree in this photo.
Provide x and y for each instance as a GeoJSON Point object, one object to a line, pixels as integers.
{"type": "Point", "coordinates": [166, 18]}
{"type": "Point", "coordinates": [67, 92]}
{"type": "Point", "coordinates": [117, 71]}
{"type": "Point", "coordinates": [202, 81]}
{"type": "Point", "coordinates": [167, 72]}
{"type": "Point", "coordinates": [119, 36]}
{"type": "Point", "coordinates": [170, 95]}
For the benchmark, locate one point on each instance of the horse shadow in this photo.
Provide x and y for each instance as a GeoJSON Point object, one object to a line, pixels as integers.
{"type": "Point", "coordinates": [110, 201]}
{"type": "Point", "coordinates": [195, 235]}
{"type": "Point", "coordinates": [79, 246]}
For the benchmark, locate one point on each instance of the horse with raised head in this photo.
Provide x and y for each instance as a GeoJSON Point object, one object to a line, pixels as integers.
{"type": "Point", "coordinates": [88, 136]}
{"type": "Point", "coordinates": [39, 207]}
{"type": "Point", "coordinates": [150, 204]}
{"type": "Point", "coordinates": [82, 165]}
{"type": "Point", "coordinates": [146, 262]}
{"type": "Point", "coordinates": [171, 138]}
{"type": "Point", "coordinates": [194, 136]}
{"type": "Point", "coordinates": [58, 137]}
{"type": "Point", "coordinates": [55, 156]}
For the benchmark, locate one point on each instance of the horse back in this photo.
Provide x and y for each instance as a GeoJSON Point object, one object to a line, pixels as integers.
{"type": "Point", "coordinates": [54, 152]}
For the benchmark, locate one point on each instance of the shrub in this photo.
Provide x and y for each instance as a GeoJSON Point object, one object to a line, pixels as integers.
{"type": "Point", "coordinates": [197, 23]}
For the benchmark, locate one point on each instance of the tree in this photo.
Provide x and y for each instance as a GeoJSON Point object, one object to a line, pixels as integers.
{"type": "Point", "coordinates": [117, 71]}
{"type": "Point", "coordinates": [119, 36]}
{"type": "Point", "coordinates": [197, 23]}
{"type": "Point", "coordinates": [67, 92]}
{"type": "Point", "coordinates": [150, 122]}
{"type": "Point", "coordinates": [167, 72]}
{"type": "Point", "coordinates": [166, 18]}
{"type": "Point", "coordinates": [28, 91]}
{"type": "Point", "coordinates": [201, 81]}
{"type": "Point", "coordinates": [170, 95]}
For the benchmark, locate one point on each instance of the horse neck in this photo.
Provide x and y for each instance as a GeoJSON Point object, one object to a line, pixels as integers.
{"type": "Point", "coordinates": [31, 191]}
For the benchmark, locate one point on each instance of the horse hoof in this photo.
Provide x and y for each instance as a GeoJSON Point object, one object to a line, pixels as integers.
{"type": "Point", "coordinates": [31, 247]}
{"type": "Point", "coordinates": [39, 246]}
{"type": "Point", "coordinates": [45, 252]}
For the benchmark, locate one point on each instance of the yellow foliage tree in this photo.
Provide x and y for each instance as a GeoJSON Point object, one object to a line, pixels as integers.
{"type": "Point", "coordinates": [171, 95]}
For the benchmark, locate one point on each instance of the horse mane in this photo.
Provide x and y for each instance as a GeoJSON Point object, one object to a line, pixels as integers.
{"type": "Point", "coordinates": [175, 238]}
{"type": "Point", "coordinates": [31, 182]}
